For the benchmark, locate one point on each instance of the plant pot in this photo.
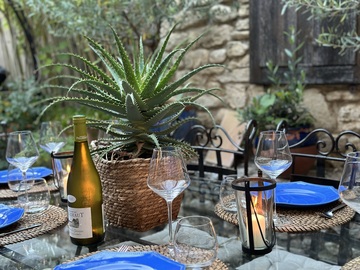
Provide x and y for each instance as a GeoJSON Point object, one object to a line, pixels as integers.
{"type": "Point", "coordinates": [128, 201]}
{"type": "Point", "coordinates": [306, 163]}
{"type": "Point", "coordinates": [303, 164]}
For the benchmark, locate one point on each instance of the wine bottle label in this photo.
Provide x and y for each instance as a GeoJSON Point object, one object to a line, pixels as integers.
{"type": "Point", "coordinates": [80, 225]}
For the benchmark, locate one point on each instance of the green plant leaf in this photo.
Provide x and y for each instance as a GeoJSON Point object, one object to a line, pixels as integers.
{"type": "Point", "coordinates": [125, 61]}
{"type": "Point", "coordinates": [129, 90]}
{"type": "Point", "coordinates": [134, 114]}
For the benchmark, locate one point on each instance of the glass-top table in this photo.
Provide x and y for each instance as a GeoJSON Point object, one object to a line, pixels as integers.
{"type": "Point", "coordinates": [330, 247]}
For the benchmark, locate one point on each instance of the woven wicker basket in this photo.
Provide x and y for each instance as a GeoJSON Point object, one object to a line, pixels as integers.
{"type": "Point", "coordinates": [128, 201]}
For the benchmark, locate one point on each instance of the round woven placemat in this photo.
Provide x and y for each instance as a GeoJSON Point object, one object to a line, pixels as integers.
{"type": "Point", "coordinates": [9, 194]}
{"type": "Point", "coordinates": [49, 219]}
{"type": "Point", "coordinates": [354, 264]}
{"type": "Point", "coordinates": [301, 220]}
{"type": "Point", "coordinates": [162, 249]}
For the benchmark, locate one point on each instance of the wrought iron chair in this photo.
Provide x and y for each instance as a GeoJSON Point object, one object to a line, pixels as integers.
{"type": "Point", "coordinates": [329, 149]}
{"type": "Point", "coordinates": [213, 157]}
{"type": "Point", "coordinates": [218, 155]}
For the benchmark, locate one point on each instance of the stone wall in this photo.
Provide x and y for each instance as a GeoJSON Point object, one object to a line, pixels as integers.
{"type": "Point", "coordinates": [226, 42]}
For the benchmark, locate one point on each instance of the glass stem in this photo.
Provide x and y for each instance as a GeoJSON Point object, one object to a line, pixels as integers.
{"type": "Point", "coordinates": [23, 173]}
{"type": "Point", "coordinates": [169, 206]}
{"type": "Point", "coordinates": [275, 217]}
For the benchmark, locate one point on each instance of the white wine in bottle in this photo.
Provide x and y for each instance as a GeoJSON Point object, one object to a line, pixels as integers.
{"type": "Point", "coordinates": [85, 203]}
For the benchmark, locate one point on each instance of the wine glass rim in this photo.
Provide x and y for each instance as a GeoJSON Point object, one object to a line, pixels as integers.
{"type": "Point", "coordinates": [272, 132]}
{"type": "Point", "coordinates": [37, 179]}
{"type": "Point", "coordinates": [20, 132]}
{"type": "Point", "coordinates": [204, 221]}
{"type": "Point", "coordinates": [355, 154]}
{"type": "Point", "coordinates": [62, 155]}
{"type": "Point", "coordinates": [230, 176]}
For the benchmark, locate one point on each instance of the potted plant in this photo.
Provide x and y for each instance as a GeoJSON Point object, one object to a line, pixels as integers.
{"type": "Point", "coordinates": [283, 100]}
{"type": "Point", "coordinates": [143, 100]}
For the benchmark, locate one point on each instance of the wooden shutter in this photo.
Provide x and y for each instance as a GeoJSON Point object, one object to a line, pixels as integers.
{"type": "Point", "coordinates": [323, 65]}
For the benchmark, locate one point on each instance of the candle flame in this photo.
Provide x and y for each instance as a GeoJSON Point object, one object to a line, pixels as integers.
{"type": "Point", "coordinates": [257, 204]}
{"type": "Point", "coordinates": [68, 168]}
{"type": "Point", "coordinates": [255, 200]}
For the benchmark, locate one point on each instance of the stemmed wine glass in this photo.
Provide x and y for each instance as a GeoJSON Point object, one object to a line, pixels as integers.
{"type": "Point", "coordinates": [168, 177]}
{"type": "Point", "coordinates": [21, 150]}
{"type": "Point", "coordinates": [51, 138]}
{"type": "Point", "coordinates": [273, 157]}
{"type": "Point", "coordinates": [349, 187]}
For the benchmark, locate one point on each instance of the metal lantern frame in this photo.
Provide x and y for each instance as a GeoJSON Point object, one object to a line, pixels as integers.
{"type": "Point", "coordinates": [59, 155]}
{"type": "Point", "coordinates": [261, 186]}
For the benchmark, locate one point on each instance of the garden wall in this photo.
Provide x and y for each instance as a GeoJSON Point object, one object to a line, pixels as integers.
{"type": "Point", "coordinates": [226, 42]}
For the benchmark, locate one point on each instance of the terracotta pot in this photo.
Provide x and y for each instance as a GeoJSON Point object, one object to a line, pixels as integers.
{"type": "Point", "coordinates": [303, 165]}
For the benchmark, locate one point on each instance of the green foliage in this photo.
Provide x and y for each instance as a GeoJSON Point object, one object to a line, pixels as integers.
{"type": "Point", "coordinates": [141, 97]}
{"type": "Point", "coordinates": [53, 26]}
{"type": "Point", "coordinates": [281, 101]}
{"type": "Point", "coordinates": [335, 11]}
{"type": "Point", "coordinates": [18, 111]}
{"type": "Point", "coordinates": [132, 18]}
{"type": "Point", "coordinates": [17, 104]}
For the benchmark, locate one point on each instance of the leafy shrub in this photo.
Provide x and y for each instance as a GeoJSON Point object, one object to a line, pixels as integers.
{"type": "Point", "coordinates": [17, 104]}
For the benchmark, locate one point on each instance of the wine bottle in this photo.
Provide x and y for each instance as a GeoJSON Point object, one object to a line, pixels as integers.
{"type": "Point", "coordinates": [85, 203]}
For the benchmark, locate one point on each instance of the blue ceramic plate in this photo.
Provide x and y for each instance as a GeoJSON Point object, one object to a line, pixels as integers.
{"type": "Point", "coordinates": [34, 172]}
{"type": "Point", "coordinates": [304, 194]}
{"type": "Point", "coordinates": [123, 261]}
{"type": "Point", "coordinates": [9, 215]}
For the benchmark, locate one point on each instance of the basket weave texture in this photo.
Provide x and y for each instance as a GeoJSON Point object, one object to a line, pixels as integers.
{"type": "Point", "coordinates": [128, 201]}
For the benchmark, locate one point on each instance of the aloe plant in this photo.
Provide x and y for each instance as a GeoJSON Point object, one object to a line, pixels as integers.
{"type": "Point", "coordinates": [142, 98]}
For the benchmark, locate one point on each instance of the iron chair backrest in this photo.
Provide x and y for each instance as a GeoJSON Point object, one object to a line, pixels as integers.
{"type": "Point", "coordinates": [328, 147]}
{"type": "Point", "coordinates": [211, 142]}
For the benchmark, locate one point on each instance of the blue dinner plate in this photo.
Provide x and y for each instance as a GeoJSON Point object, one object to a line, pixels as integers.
{"type": "Point", "coordinates": [304, 194]}
{"type": "Point", "coordinates": [9, 215]}
{"type": "Point", "coordinates": [123, 261]}
{"type": "Point", "coordinates": [32, 172]}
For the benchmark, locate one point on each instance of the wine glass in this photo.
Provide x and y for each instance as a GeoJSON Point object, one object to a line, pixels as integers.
{"type": "Point", "coordinates": [349, 187]}
{"type": "Point", "coordinates": [34, 197]}
{"type": "Point", "coordinates": [51, 138]}
{"type": "Point", "coordinates": [227, 193]}
{"type": "Point", "coordinates": [21, 150]}
{"type": "Point", "coordinates": [195, 242]}
{"type": "Point", "coordinates": [273, 157]}
{"type": "Point", "coordinates": [14, 177]}
{"type": "Point", "coordinates": [168, 177]}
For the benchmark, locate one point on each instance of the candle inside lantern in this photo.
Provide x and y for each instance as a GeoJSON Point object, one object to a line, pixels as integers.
{"type": "Point", "coordinates": [258, 223]}
{"type": "Point", "coordinates": [258, 227]}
